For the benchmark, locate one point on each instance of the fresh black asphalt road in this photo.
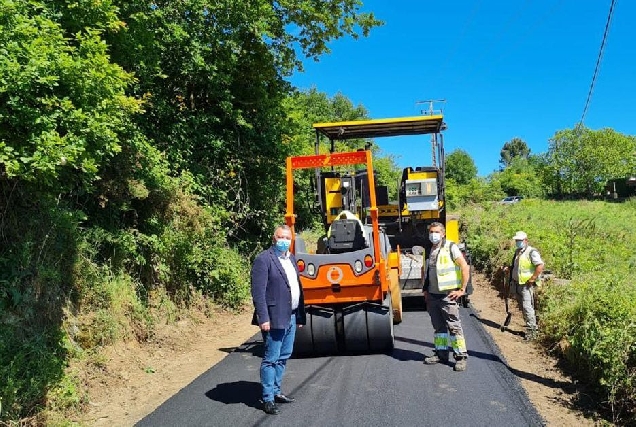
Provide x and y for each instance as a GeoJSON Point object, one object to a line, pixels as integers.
{"type": "Point", "coordinates": [394, 389]}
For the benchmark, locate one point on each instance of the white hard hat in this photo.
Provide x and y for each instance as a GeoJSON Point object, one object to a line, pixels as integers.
{"type": "Point", "coordinates": [520, 236]}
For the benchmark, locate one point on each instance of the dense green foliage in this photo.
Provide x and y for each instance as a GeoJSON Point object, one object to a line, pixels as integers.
{"type": "Point", "coordinates": [579, 164]}
{"type": "Point", "coordinates": [477, 190]}
{"type": "Point", "coordinates": [520, 178]}
{"type": "Point", "coordinates": [63, 109]}
{"type": "Point", "coordinates": [591, 319]}
{"type": "Point", "coordinates": [142, 147]}
{"type": "Point", "coordinates": [580, 161]}
{"type": "Point", "coordinates": [460, 167]}
{"type": "Point", "coordinates": [514, 149]}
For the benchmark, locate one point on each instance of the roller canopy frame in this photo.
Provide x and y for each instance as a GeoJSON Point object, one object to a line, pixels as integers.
{"type": "Point", "coordinates": [417, 125]}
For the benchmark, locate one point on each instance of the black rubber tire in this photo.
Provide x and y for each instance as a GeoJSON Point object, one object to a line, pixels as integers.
{"type": "Point", "coordinates": [323, 330]}
{"type": "Point", "coordinates": [318, 336]}
{"type": "Point", "coordinates": [380, 326]}
{"type": "Point", "coordinates": [356, 338]}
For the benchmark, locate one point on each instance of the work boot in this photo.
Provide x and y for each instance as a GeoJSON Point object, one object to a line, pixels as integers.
{"type": "Point", "coordinates": [435, 358]}
{"type": "Point", "coordinates": [460, 364]}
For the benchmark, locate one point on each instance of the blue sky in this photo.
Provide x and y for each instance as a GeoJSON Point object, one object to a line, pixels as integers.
{"type": "Point", "coordinates": [505, 68]}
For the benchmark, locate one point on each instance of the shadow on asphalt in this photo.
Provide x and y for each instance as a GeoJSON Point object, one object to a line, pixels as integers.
{"type": "Point", "coordinates": [413, 303]}
{"type": "Point", "coordinates": [255, 348]}
{"type": "Point", "coordinates": [413, 341]}
{"type": "Point", "coordinates": [245, 392]}
{"type": "Point", "coordinates": [406, 355]}
{"type": "Point", "coordinates": [487, 322]}
{"type": "Point", "coordinates": [471, 353]}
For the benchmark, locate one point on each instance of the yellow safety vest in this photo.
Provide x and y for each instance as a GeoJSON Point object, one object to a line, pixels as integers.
{"type": "Point", "coordinates": [449, 275]}
{"type": "Point", "coordinates": [525, 268]}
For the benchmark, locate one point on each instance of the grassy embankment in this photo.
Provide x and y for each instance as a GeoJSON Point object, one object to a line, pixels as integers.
{"type": "Point", "coordinates": [590, 319]}
{"type": "Point", "coordinates": [67, 291]}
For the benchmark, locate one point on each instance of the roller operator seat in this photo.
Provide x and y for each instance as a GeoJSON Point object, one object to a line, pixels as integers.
{"type": "Point", "coordinates": [346, 234]}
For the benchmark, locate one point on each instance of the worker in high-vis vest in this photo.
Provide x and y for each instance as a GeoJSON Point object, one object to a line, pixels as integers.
{"type": "Point", "coordinates": [445, 277]}
{"type": "Point", "coordinates": [525, 270]}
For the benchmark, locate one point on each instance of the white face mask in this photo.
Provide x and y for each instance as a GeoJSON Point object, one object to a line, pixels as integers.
{"type": "Point", "coordinates": [435, 237]}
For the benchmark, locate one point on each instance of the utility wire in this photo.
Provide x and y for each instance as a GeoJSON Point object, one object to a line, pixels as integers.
{"type": "Point", "coordinates": [598, 61]}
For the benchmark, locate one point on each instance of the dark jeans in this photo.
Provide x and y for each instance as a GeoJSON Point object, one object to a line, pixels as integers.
{"type": "Point", "coordinates": [279, 344]}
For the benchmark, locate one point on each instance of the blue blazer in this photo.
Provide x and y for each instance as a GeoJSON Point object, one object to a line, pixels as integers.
{"type": "Point", "coordinates": [271, 293]}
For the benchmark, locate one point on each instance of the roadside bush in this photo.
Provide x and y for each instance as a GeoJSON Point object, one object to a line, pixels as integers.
{"type": "Point", "coordinates": [192, 254]}
{"type": "Point", "coordinates": [182, 248]}
{"type": "Point", "coordinates": [67, 286]}
{"type": "Point", "coordinates": [37, 252]}
{"type": "Point", "coordinates": [592, 324]}
{"type": "Point", "coordinates": [591, 319]}
{"type": "Point", "coordinates": [478, 190]}
{"type": "Point", "coordinates": [30, 362]}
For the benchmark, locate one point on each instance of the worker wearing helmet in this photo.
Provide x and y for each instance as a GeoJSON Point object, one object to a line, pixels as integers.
{"type": "Point", "coordinates": [524, 272]}
{"type": "Point", "coordinates": [445, 276]}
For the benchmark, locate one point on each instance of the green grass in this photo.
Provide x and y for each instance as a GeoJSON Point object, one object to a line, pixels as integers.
{"type": "Point", "coordinates": [589, 319]}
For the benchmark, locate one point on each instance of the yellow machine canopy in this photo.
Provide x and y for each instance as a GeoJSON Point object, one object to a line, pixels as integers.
{"type": "Point", "coordinates": [417, 125]}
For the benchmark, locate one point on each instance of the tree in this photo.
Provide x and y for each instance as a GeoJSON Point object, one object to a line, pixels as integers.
{"type": "Point", "coordinates": [582, 160]}
{"type": "Point", "coordinates": [63, 107]}
{"type": "Point", "coordinates": [213, 77]}
{"type": "Point", "coordinates": [520, 178]}
{"type": "Point", "coordinates": [515, 148]}
{"type": "Point", "coordinates": [387, 173]}
{"type": "Point", "coordinates": [476, 191]}
{"type": "Point", "coordinates": [460, 167]}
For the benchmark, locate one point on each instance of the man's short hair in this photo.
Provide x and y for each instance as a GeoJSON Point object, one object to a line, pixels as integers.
{"type": "Point", "coordinates": [281, 227]}
{"type": "Point", "coordinates": [437, 224]}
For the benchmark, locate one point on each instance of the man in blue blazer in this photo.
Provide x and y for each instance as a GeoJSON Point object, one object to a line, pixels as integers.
{"type": "Point", "coordinates": [279, 307]}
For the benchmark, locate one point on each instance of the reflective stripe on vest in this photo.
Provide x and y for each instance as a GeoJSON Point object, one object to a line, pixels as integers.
{"type": "Point", "coordinates": [526, 267]}
{"type": "Point", "coordinates": [449, 275]}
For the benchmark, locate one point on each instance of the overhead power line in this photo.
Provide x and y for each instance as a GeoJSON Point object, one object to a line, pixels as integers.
{"type": "Point", "coordinates": [598, 60]}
